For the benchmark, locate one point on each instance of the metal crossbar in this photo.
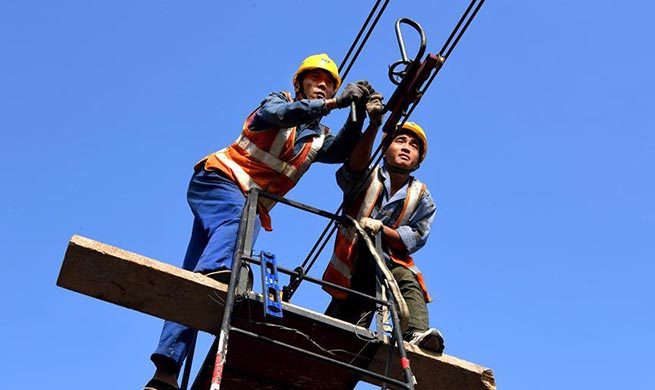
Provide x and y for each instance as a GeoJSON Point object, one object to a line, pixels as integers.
{"type": "Point", "coordinates": [412, 83]}
{"type": "Point", "coordinates": [243, 255]}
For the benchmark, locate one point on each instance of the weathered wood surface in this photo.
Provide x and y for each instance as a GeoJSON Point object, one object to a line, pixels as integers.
{"type": "Point", "coordinates": [162, 290]}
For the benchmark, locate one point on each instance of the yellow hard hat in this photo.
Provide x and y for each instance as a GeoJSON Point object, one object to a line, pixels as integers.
{"type": "Point", "coordinates": [320, 61]}
{"type": "Point", "coordinates": [418, 132]}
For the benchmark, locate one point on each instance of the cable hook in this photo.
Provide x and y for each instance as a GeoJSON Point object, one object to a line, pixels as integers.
{"type": "Point", "coordinates": [395, 75]}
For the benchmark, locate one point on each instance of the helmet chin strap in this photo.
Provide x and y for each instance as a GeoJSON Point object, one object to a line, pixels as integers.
{"type": "Point", "coordinates": [400, 170]}
{"type": "Point", "coordinates": [301, 93]}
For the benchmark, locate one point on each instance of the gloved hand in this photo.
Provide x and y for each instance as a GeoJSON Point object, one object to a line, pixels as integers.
{"type": "Point", "coordinates": [367, 85]}
{"type": "Point", "coordinates": [371, 225]}
{"type": "Point", "coordinates": [361, 104]}
{"type": "Point", "coordinates": [375, 108]}
{"type": "Point", "coordinates": [353, 92]}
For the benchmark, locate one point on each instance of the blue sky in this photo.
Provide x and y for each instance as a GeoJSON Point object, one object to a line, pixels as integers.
{"type": "Point", "coordinates": [540, 161]}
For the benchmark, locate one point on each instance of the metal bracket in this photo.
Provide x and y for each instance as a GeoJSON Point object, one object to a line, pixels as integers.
{"type": "Point", "coordinates": [396, 76]}
{"type": "Point", "coordinates": [409, 79]}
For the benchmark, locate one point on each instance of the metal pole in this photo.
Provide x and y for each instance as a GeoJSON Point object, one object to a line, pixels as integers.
{"type": "Point", "coordinates": [404, 362]}
{"type": "Point", "coordinates": [189, 362]}
{"type": "Point", "coordinates": [246, 220]}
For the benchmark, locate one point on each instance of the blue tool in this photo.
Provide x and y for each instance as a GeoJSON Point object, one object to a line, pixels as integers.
{"type": "Point", "coordinates": [271, 285]}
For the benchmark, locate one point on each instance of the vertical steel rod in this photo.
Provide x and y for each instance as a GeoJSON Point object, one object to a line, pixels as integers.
{"type": "Point", "coordinates": [247, 219]}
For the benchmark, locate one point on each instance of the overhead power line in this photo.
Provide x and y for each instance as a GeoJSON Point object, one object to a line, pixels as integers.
{"type": "Point", "coordinates": [432, 64]}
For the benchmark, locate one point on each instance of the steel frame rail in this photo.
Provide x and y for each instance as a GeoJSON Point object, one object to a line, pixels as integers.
{"type": "Point", "coordinates": [243, 254]}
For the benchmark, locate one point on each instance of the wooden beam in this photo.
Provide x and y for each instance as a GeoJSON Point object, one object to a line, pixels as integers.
{"type": "Point", "coordinates": [149, 286]}
{"type": "Point", "coordinates": [143, 284]}
{"type": "Point", "coordinates": [437, 372]}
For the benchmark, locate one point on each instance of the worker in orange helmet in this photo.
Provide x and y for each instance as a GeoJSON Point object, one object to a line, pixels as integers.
{"type": "Point", "coordinates": [279, 141]}
{"type": "Point", "coordinates": [400, 207]}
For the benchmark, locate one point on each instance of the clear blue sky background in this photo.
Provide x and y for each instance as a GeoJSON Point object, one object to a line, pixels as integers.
{"type": "Point", "coordinates": [541, 163]}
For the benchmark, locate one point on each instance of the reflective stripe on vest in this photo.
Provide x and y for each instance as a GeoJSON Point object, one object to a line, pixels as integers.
{"type": "Point", "coordinates": [415, 192]}
{"type": "Point", "coordinates": [246, 181]}
{"type": "Point", "coordinates": [293, 173]}
{"type": "Point", "coordinates": [279, 141]}
{"type": "Point", "coordinates": [265, 160]}
{"type": "Point", "coordinates": [339, 270]}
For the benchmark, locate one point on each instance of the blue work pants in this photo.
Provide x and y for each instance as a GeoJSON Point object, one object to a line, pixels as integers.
{"type": "Point", "coordinates": [217, 204]}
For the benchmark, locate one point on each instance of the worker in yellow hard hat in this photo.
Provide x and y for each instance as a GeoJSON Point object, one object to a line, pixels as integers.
{"type": "Point", "coordinates": [278, 142]}
{"type": "Point", "coordinates": [317, 62]}
{"type": "Point", "coordinates": [418, 136]}
{"type": "Point", "coordinates": [396, 205]}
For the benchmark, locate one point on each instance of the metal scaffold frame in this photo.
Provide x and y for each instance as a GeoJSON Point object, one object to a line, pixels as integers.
{"type": "Point", "coordinates": [412, 78]}
{"type": "Point", "coordinates": [243, 256]}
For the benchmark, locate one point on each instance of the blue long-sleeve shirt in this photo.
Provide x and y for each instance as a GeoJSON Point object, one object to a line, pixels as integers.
{"type": "Point", "coordinates": [275, 110]}
{"type": "Point", "coordinates": [417, 230]}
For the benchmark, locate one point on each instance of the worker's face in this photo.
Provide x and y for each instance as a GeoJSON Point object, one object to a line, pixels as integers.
{"type": "Point", "coordinates": [318, 84]}
{"type": "Point", "coordinates": [403, 151]}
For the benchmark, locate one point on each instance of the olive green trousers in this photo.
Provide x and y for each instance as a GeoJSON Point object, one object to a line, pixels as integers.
{"type": "Point", "coordinates": [360, 312]}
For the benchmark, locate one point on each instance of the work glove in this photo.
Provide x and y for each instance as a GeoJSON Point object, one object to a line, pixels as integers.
{"type": "Point", "coordinates": [367, 85]}
{"type": "Point", "coordinates": [353, 93]}
{"type": "Point", "coordinates": [375, 108]}
{"type": "Point", "coordinates": [370, 225]}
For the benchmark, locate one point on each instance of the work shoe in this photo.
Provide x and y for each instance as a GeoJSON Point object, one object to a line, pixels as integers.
{"type": "Point", "coordinates": [223, 276]}
{"type": "Point", "coordinates": [430, 339]}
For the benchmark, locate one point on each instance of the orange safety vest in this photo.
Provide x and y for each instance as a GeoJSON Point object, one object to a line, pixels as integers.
{"type": "Point", "coordinates": [265, 159]}
{"type": "Point", "coordinates": [340, 268]}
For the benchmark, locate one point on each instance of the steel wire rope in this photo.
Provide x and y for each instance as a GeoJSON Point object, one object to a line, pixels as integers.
{"type": "Point", "coordinates": [344, 75]}
{"type": "Point", "coordinates": [457, 34]}
{"type": "Point", "coordinates": [374, 161]}
{"type": "Point", "coordinates": [368, 34]}
{"type": "Point", "coordinates": [330, 228]}
{"type": "Point", "coordinates": [448, 49]}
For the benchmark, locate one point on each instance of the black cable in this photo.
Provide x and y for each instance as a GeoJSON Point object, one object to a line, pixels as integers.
{"type": "Point", "coordinates": [349, 196]}
{"type": "Point", "coordinates": [343, 76]}
{"type": "Point", "coordinates": [459, 23]}
{"type": "Point", "coordinates": [468, 22]}
{"type": "Point", "coordinates": [450, 49]}
{"type": "Point", "coordinates": [361, 31]}
{"type": "Point", "coordinates": [368, 34]}
{"type": "Point", "coordinates": [189, 362]}
{"type": "Point", "coordinates": [457, 34]}
{"type": "Point", "coordinates": [374, 161]}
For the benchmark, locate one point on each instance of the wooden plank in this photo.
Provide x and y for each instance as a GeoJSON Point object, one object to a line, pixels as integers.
{"type": "Point", "coordinates": [437, 372]}
{"type": "Point", "coordinates": [149, 286]}
{"type": "Point", "coordinates": [146, 285]}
